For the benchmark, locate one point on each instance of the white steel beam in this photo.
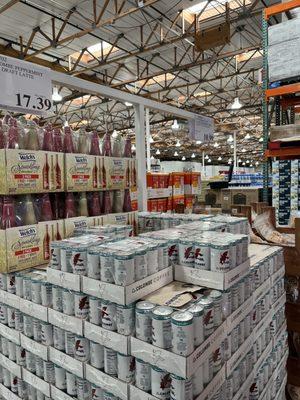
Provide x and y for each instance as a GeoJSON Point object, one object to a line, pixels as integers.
{"type": "Point", "coordinates": [141, 155]}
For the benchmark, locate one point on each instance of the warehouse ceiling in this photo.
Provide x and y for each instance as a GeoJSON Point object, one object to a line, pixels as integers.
{"type": "Point", "coordinates": [149, 47]}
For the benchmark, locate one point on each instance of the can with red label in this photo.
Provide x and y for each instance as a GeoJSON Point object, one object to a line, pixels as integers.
{"type": "Point", "coordinates": [28, 325]}
{"type": "Point", "coordinates": [19, 323]}
{"type": "Point", "coordinates": [108, 315]}
{"type": "Point", "coordinates": [125, 318]}
{"type": "Point", "coordinates": [202, 254]}
{"type": "Point", "coordinates": [82, 349]}
{"type": "Point", "coordinates": [37, 330]}
{"type": "Point", "coordinates": [83, 389]}
{"type": "Point", "coordinates": [79, 260]}
{"type": "Point", "coordinates": [142, 375]}
{"type": "Point", "coordinates": [186, 253]}
{"type": "Point", "coordinates": [14, 383]}
{"type": "Point", "coordinates": [143, 320]}
{"type": "Point", "coordinates": [57, 298]}
{"type": "Point", "coordinates": [161, 327]}
{"type": "Point", "coordinates": [197, 310]}
{"type": "Point", "coordinates": [20, 356]}
{"type": "Point", "coordinates": [11, 283]}
{"type": "Point", "coordinates": [160, 383]}
{"type": "Point", "coordinates": [11, 317]}
{"type": "Point", "coordinates": [97, 393]}
{"type": "Point", "coordinates": [182, 333]}
{"type": "Point", "coordinates": [46, 294]}
{"type": "Point", "coordinates": [181, 389]}
{"type": "Point", "coordinates": [47, 333]}
{"type": "Point", "coordinates": [81, 305]}
{"type": "Point", "coordinates": [126, 367]}
{"type": "Point", "coordinates": [220, 257]}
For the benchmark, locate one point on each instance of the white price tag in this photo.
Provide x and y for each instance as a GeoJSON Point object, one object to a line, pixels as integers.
{"type": "Point", "coordinates": [201, 128]}
{"type": "Point", "coordinates": [25, 86]}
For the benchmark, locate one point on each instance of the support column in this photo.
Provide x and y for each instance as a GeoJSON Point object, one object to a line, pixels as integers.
{"type": "Point", "coordinates": [139, 110]}
{"type": "Point", "coordinates": [203, 163]}
{"type": "Point", "coordinates": [148, 140]}
{"type": "Point", "coordinates": [235, 164]}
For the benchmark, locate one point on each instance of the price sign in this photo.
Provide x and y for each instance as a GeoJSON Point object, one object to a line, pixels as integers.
{"type": "Point", "coordinates": [25, 87]}
{"type": "Point", "coordinates": [201, 128]}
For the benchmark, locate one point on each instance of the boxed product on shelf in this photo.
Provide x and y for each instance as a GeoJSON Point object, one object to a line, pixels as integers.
{"type": "Point", "coordinates": [31, 171]}
{"type": "Point", "coordinates": [192, 183]}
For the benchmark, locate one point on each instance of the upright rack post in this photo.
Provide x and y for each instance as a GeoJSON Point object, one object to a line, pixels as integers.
{"type": "Point", "coordinates": [265, 107]}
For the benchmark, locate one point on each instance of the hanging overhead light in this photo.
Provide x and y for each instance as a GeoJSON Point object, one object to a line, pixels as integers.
{"type": "Point", "coordinates": [239, 160]}
{"type": "Point", "coordinates": [198, 142]}
{"type": "Point", "coordinates": [251, 165]}
{"type": "Point", "coordinates": [66, 123]}
{"type": "Point", "coordinates": [209, 160]}
{"type": "Point", "coordinates": [151, 139]}
{"type": "Point", "coordinates": [114, 134]}
{"type": "Point", "coordinates": [177, 143]}
{"type": "Point", "coordinates": [219, 158]}
{"type": "Point", "coordinates": [55, 95]}
{"type": "Point", "coordinates": [133, 148]}
{"type": "Point", "coordinates": [243, 150]}
{"type": "Point", "coordinates": [230, 139]}
{"type": "Point", "coordinates": [183, 158]}
{"type": "Point", "coordinates": [175, 154]}
{"type": "Point", "coordinates": [175, 125]}
{"type": "Point", "coordinates": [206, 157]}
{"type": "Point", "coordinates": [256, 163]}
{"type": "Point", "coordinates": [216, 144]}
{"type": "Point", "coordinates": [128, 104]}
{"type": "Point", "coordinates": [248, 161]}
{"type": "Point", "coordinates": [157, 152]}
{"type": "Point", "coordinates": [232, 146]}
{"type": "Point", "coordinates": [261, 139]}
{"type": "Point", "coordinates": [236, 105]}
{"type": "Point", "coordinates": [152, 158]}
{"type": "Point", "coordinates": [193, 155]}
{"type": "Point", "coordinates": [243, 164]}
{"type": "Point", "coordinates": [247, 137]}
{"type": "Point", "coordinates": [229, 162]}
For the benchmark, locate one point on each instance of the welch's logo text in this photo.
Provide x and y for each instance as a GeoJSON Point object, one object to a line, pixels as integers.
{"type": "Point", "coordinates": [27, 157]}
{"type": "Point", "coordinates": [81, 159]}
{"type": "Point", "coordinates": [27, 232]}
{"type": "Point", "coordinates": [80, 224]}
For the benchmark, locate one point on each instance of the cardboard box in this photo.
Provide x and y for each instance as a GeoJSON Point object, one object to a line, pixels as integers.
{"type": "Point", "coordinates": [152, 205]}
{"type": "Point", "coordinates": [35, 310]}
{"type": "Point", "coordinates": [162, 205]}
{"type": "Point", "coordinates": [113, 340]}
{"type": "Point", "coordinates": [238, 315]}
{"type": "Point", "coordinates": [36, 382]}
{"type": "Point", "coordinates": [82, 172]}
{"type": "Point", "coordinates": [188, 202]}
{"type": "Point", "coordinates": [192, 183]}
{"type": "Point", "coordinates": [10, 299]}
{"type": "Point", "coordinates": [34, 347]}
{"type": "Point", "coordinates": [72, 223]}
{"type": "Point", "coordinates": [48, 232]}
{"type": "Point", "coordinates": [127, 294]}
{"type": "Point", "coordinates": [66, 280]}
{"type": "Point", "coordinates": [212, 279]}
{"type": "Point", "coordinates": [174, 363]}
{"type": "Point", "coordinates": [20, 248]}
{"type": "Point", "coordinates": [57, 394]}
{"type": "Point", "coordinates": [107, 382]}
{"type": "Point", "coordinates": [67, 362]}
{"type": "Point", "coordinates": [262, 325]}
{"type": "Point", "coordinates": [260, 292]}
{"type": "Point", "coordinates": [25, 171]}
{"type": "Point", "coordinates": [264, 355]}
{"type": "Point", "coordinates": [117, 168]}
{"type": "Point", "coordinates": [12, 367]}
{"type": "Point", "coordinates": [238, 356]}
{"type": "Point", "coordinates": [177, 183]}
{"type": "Point", "coordinates": [244, 388]}
{"type": "Point", "coordinates": [10, 334]}
{"type": "Point", "coordinates": [66, 322]}
{"type": "Point", "coordinates": [7, 394]}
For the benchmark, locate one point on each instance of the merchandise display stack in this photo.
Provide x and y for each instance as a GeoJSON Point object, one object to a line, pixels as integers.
{"type": "Point", "coordinates": [53, 180]}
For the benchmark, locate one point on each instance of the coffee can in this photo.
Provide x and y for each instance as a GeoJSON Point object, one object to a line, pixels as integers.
{"type": "Point", "coordinates": [93, 263]}
{"type": "Point", "coordinates": [71, 384]}
{"type": "Point", "coordinates": [30, 361]}
{"type": "Point", "coordinates": [55, 262]}
{"type": "Point", "coordinates": [60, 377]}
{"type": "Point", "coordinates": [97, 355]}
{"type": "Point", "coordinates": [181, 389]}
{"type": "Point", "coordinates": [20, 356]}
{"type": "Point", "coordinates": [57, 298]}
{"type": "Point", "coordinates": [32, 392]}
{"type": "Point", "coordinates": [3, 282]}
{"type": "Point", "coordinates": [95, 310]}
{"type": "Point", "coordinates": [22, 389]}
{"type": "Point", "coordinates": [47, 333]}
{"type": "Point", "coordinates": [3, 313]}
{"type": "Point", "coordinates": [110, 362]}
{"type": "Point", "coordinates": [220, 257]}
{"type": "Point", "coordinates": [68, 302]}
{"type": "Point", "coordinates": [13, 383]}
{"type": "Point", "coordinates": [182, 333]}
{"type": "Point", "coordinates": [108, 315]}
{"type": "Point", "coordinates": [81, 305]}
{"type": "Point", "coordinates": [19, 322]}
{"type": "Point", "coordinates": [197, 310]}
{"type": "Point", "coordinates": [12, 351]}
{"type": "Point", "coordinates": [11, 317]}
{"type": "Point", "coordinates": [70, 343]}
{"type": "Point", "coordinates": [161, 327]}
{"type": "Point", "coordinates": [46, 294]}
{"type": "Point", "coordinates": [126, 367]}
{"type": "Point", "coordinates": [106, 270]}
{"type": "Point", "coordinates": [208, 316]}
{"type": "Point", "coordinates": [37, 330]}
{"type": "Point", "coordinates": [216, 297]}
{"type": "Point", "coordinates": [160, 383]}
{"type": "Point", "coordinates": [49, 375]}
{"type": "Point", "coordinates": [125, 318]}
{"type": "Point", "coordinates": [11, 283]}
{"type": "Point", "coordinates": [202, 254]}
{"type": "Point", "coordinates": [27, 288]}
{"type": "Point", "coordinates": [124, 268]}
{"type": "Point", "coordinates": [58, 338]}
{"type": "Point", "coordinates": [143, 320]}
{"type": "Point", "coordinates": [186, 253]}
{"type": "Point", "coordinates": [36, 296]}
{"type": "Point", "coordinates": [39, 367]}
{"type": "Point", "coordinates": [82, 349]}
{"type": "Point", "coordinates": [79, 260]}
{"type": "Point", "coordinates": [140, 264]}
{"type": "Point", "coordinates": [28, 325]}
{"type": "Point", "coordinates": [19, 285]}
{"type": "Point", "coordinates": [142, 375]}
{"type": "Point", "coordinates": [4, 346]}
{"type": "Point", "coordinates": [6, 377]}
{"type": "Point", "coordinates": [83, 389]}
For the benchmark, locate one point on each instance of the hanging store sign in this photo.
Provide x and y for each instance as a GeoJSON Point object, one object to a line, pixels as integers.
{"type": "Point", "coordinates": [201, 128]}
{"type": "Point", "coordinates": [25, 87]}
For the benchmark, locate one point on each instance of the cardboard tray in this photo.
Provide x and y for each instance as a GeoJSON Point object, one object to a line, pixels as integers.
{"type": "Point", "coordinates": [244, 388]}
{"type": "Point", "coordinates": [34, 347]}
{"type": "Point", "coordinates": [66, 322]}
{"type": "Point", "coordinates": [107, 382]}
{"type": "Point", "coordinates": [6, 394]}
{"type": "Point", "coordinates": [212, 279]}
{"type": "Point", "coordinates": [12, 367]}
{"type": "Point", "coordinates": [127, 294]}
{"type": "Point", "coordinates": [69, 363]}
{"type": "Point", "coordinates": [238, 356]}
{"type": "Point", "coordinates": [57, 394]}
{"type": "Point", "coordinates": [113, 340]}
{"type": "Point", "coordinates": [63, 279]}
{"type": "Point", "coordinates": [10, 334]}
{"type": "Point", "coordinates": [174, 363]}
{"type": "Point", "coordinates": [238, 315]}
{"type": "Point", "coordinates": [36, 382]}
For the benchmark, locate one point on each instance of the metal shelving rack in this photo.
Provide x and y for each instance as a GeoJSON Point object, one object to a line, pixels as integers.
{"type": "Point", "coordinates": [278, 93]}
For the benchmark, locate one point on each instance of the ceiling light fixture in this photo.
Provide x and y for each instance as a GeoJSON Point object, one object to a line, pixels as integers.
{"type": "Point", "coordinates": [216, 144]}
{"type": "Point", "coordinates": [256, 163]}
{"type": "Point", "coordinates": [177, 143]}
{"type": "Point", "coordinates": [236, 105]}
{"type": "Point", "coordinates": [247, 137]}
{"type": "Point", "coordinates": [219, 158]}
{"type": "Point", "coordinates": [128, 104]}
{"type": "Point", "coordinates": [239, 160]}
{"type": "Point", "coordinates": [152, 158]}
{"type": "Point", "coordinates": [206, 157]}
{"type": "Point", "coordinates": [243, 150]}
{"type": "Point", "coordinates": [175, 154]}
{"type": "Point", "coordinates": [151, 140]}
{"type": "Point", "coordinates": [230, 139]}
{"type": "Point", "coordinates": [198, 142]}
{"type": "Point", "coordinates": [209, 160]}
{"type": "Point", "coordinates": [251, 165]}
{"type": "Point", "coordinates": [183, 158]}
{"type": "Point", "coordinates": [261, 139]}
{"type": "Point", "coordinates": [114, 134]}
{"type": "Point", "coordinates": [193, 155]}
{"type": "Point", "coordinates": [248, 162]}
{"type": "Point", "coordinates": [66, 123]}
{"type": "Point", "coordinates": [157, 152]}
{"type": "Point", "coordinates": [175, 125]}
{"type": "Point", "coordinates": [55, 95]}
{"type": "Point", "coordinates": [133, 148]}
{"type": "Point", "coordinates": [229, 162]}
{"type": "Point", "coordinates": [232, 146]}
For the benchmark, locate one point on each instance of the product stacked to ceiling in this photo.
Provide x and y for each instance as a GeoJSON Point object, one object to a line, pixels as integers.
{"type": "Point", "coordinates": [54, 180]}
{"type": "Point", "coordinates": [106, 321]}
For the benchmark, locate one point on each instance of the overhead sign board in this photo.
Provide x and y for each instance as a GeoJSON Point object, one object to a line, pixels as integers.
{"type": "Point", "coordinates": [25, 87]}
{"type": "Point", "coordinates": [201, 128]}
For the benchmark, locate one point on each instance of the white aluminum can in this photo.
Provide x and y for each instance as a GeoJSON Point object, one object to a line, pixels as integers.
{"type": "Point", "coordinates": [109, 396]}
{"type": "Point", "coordinates": [69, 343]}
{"type": "Point", "coordinates": [143, 320]}
{"type": "Point", "coordinates": [46, 294]}
{"type": "Point", "coordinates": [83, 389]}
{"type": "Point", "coordinates": [11, 283]}
{"type": "Point", "coordinates": [216, 297]}
{"type": "Point", "coordinates": [160, 383]}
{"type": "Point", "coordinates": [81, 305]}
{"type": "Point", "coordinates": [11, 317]}
{"type": "Point", "coordinates": [126, 368]}
{"type": "Point", "coordinates": [19, 322]}
{"type": "Point", "coordinates": [97, 355]}
{"type": "Point", "coordinates": [207, 370]}
{"type": "Point", "coordinates": [208, 316]}
{"type": "Point", "coordinates": [37, 330]}
{"type": "Point", "coordinates": [93, 263]}
{"type": "Point", "coordinates": [234, 297]}
{"type": "Point", "coordinates": [57, 298]}
{"type": "Point", "coordinates": [58, 338]}
{"type": "Point", "coordinates": [152, 259]}
{"type": "Point", "coordinates": [124, 268]}
{"type": "Point", "coordinates": [241, 292]}
{"type": "Point", "coordinates": [13, 383]}
{"type": "Point", "coordinates": [68, 302]}
{"type": "Point", "coordinates": [55, 260]}
{"type": "Point", "coordinates": [28, 325]}
{"type": "Point", "coordinates": [65, 257]}
{"type": "Point", "coordinates": [12, 351]}
{"type": "Point", "coordinates": [22, 389]}
{"type": "Point", "coordinates": [95, 310]}
{"type": "Point", "coordinates": [60, 377]}
{"type": "Point", "coordinates": [202, 255]}
{"type": "Point", "coordinates": [71, 384]}
{"type": "Point", "coordinates": [110, 362]}
{"type": "Point", "coordinates": [82, 349]}
{"type": "Point", "coordinates": [217, 360]}
{"type": "Point", "coordinates": [229, 388]}
{"type": "Point", "coordinates": [173, 252]}
{"type": "Point", "coordinates": [79, 260]}
{"type": "Point", "coordinates": [32, 392]}
{"type": "Point", "coordinates": [30, 361]}
{"type": "Point", "coordinates": [108, 315]}
{"type": "Point", "coordinates": [3, 282]}
{"type": "Point", "coordinates": [106, 270]}
{"type": "Point", "coordinates": [49, 375]}
{"type": "Point", "coordinates": [36, 296]}
{"type": "Point", "coordinates": [6, 377]}
{"type": "Point", "coordinates": [20, 356]}
{"type": "Point", "coordinates": [39, 367]}
{"type": "Point", "coordinates": [140, 264]}
{"type": "Point", "coordinates": [125, 319]}
{"type": "Point", "coordinates": [47, 334]}
{"type": "Point", "coordinates": [163, 254]}
{"type": "Point", "coordinates": [142, 375]}
{"type": "Point", "coordinates": [182, 333]}
{"type": "Point", "coordinates": [4, 346]}
{"type": "Point", "coordinates": [186, 253]}
{"type": "Point", "coordinates": [27, 288]}
{"type": "Point", "coordinates": [19, 285]}
{"type": "Point", "coordinates": [220, 257]}
{"type": "Point", "coordinates": [236, 379]}
{"type": "Point", "coordinates": [181, 389]}
{"type": "Point", "coordinates": [161, 327]}
{"type": "Point", "coordinates": [3, 314]}
{"type": "Point", "coordinates": [197, 311]}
